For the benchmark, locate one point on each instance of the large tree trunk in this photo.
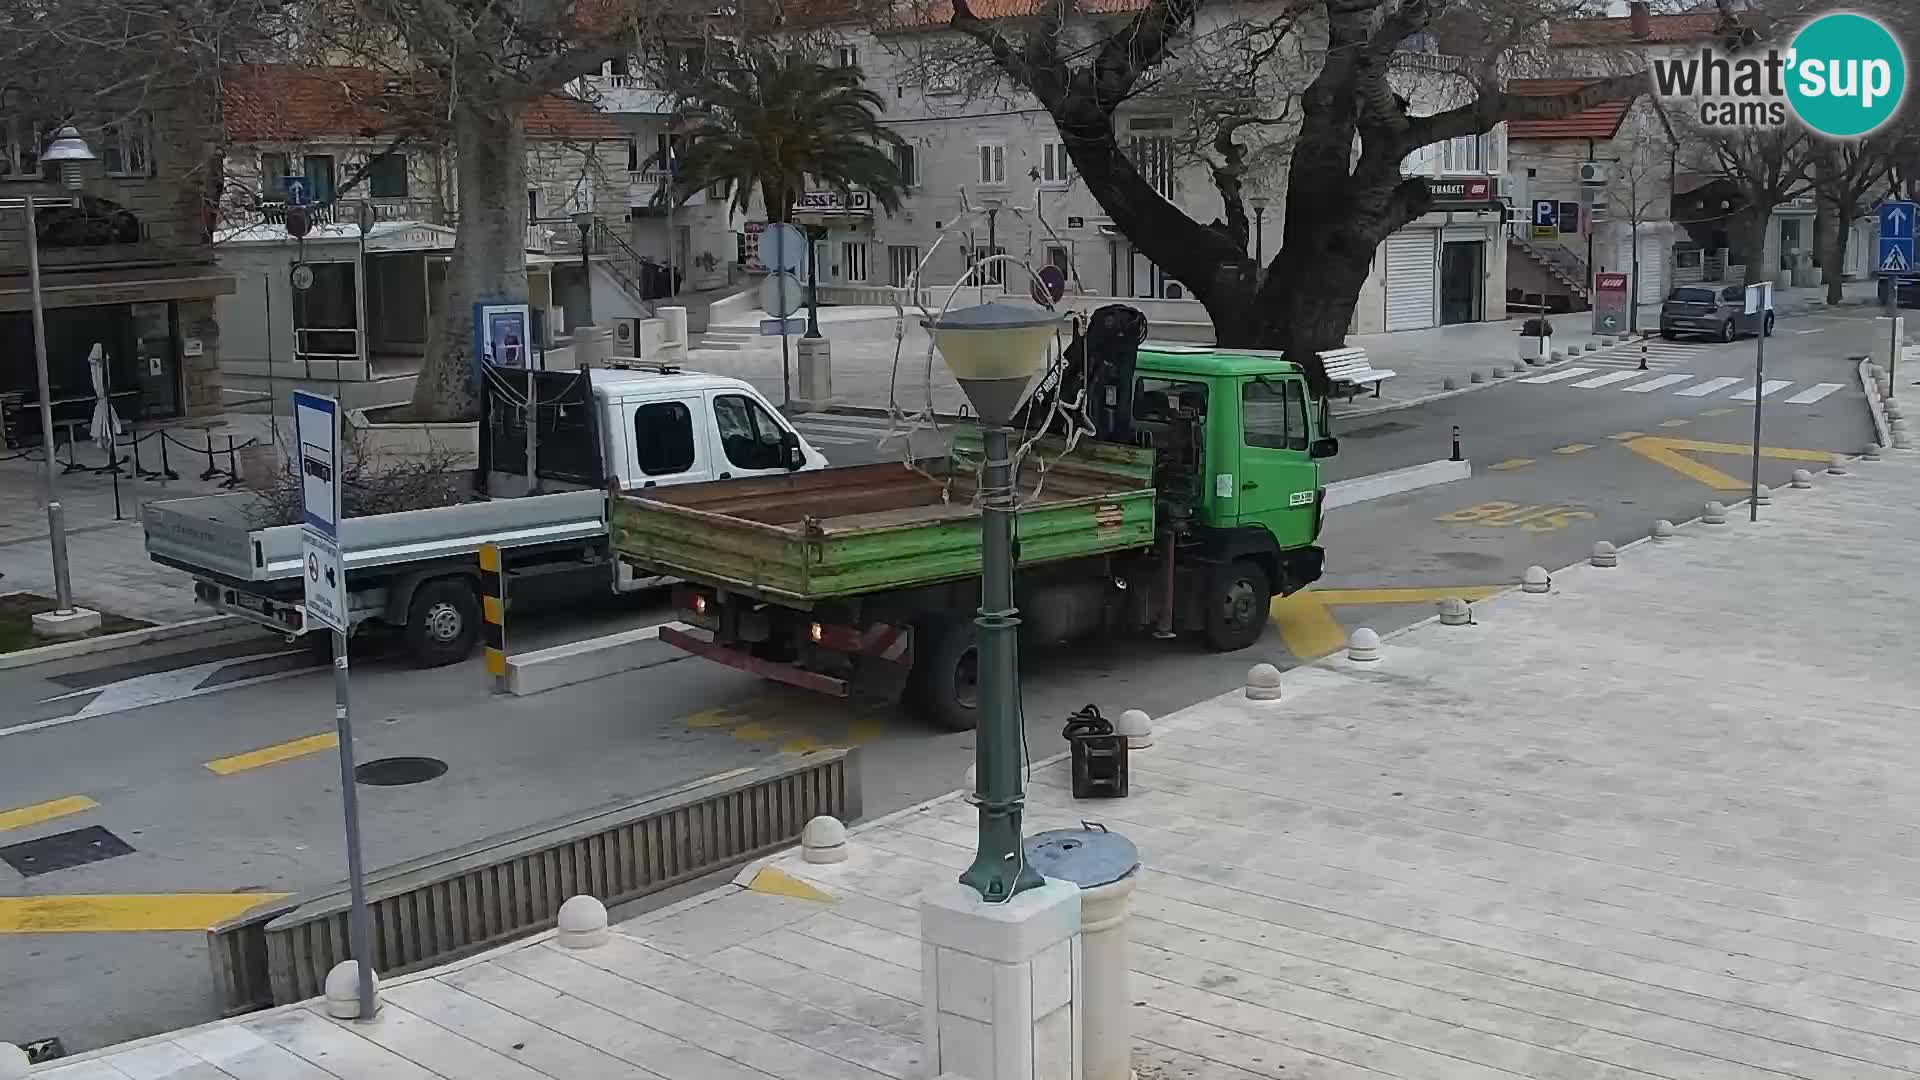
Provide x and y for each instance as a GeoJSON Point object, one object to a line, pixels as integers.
{"type": "Point", "coordinates": [1747, 241]}
{"type": "Point", "coordinates": [490, 245]}
{"type": "Point", "coordinates": [1833, 250]}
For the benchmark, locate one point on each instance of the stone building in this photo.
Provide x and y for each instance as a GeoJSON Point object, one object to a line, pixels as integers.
{"type": "Point", "coordinates": [127, 264]}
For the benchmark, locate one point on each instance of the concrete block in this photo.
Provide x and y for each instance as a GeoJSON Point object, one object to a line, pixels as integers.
{"type": "Point", "coordinates": [581, 924]}
{"type": "Point", "coordinates": [580, 661]}
{"type": "Point", "coordinates": [1364, 646]}
{"type": "Point", "coordinates": [1604, 554]}
{"type": "Point", "coordinates": [824, 840]}
{"type": "Point", "coordinates": [1714, 514]}
{"type": "Point", "coordinates": [1263, 683]}
{"type": "Point", "coordinates": [1536, 580]}
{"type": "Point", "coordinates": [992, 977]}
{"type": "Point", "coordinates": [343, 990]}
{"type": "Point", "coordinates": [1802, 478]}
{"type": "Point", "coordinates": [77, 622]}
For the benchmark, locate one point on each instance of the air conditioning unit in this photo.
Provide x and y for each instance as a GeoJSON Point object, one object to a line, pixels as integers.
{"type": "Point", "coordinates": [1596, 172]}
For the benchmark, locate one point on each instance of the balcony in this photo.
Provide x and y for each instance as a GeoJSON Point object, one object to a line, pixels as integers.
{"type": "Point", "coordinates": [627, 94]}
{"type": "Point", "coordinates": [347, 211]}
{"type": "Point", "coordinates": [645, 185]}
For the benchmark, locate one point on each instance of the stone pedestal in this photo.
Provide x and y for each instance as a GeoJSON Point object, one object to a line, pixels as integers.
{"type": "Point", "coordinates": [1106, 1004]}
{"type": "Point", "coordinates": [1001, 983]}
{"type": "Point", "coordinates": [813, 374]}
{"type": "Point", "coordinates": [66, 624]}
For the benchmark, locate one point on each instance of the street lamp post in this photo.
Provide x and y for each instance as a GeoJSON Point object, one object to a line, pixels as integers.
{"type": "Point", "coordinates": [995, 352]}
{"type": "Point", "coordinates": [69, 151]}
{"type": "Point", "coordinates": [583, 220]}
{"type": "Point", "coordinates": [1259, 204]}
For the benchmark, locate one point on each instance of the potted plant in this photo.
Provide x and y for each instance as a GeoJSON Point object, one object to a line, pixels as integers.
{"type": "Point", "coordinates": [1536, 340]}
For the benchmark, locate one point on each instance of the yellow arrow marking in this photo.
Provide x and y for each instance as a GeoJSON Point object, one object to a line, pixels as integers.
{"type": "Point", "coordinates": [123, 914]}
{"type": "Point", "coordinates": [1668, 452]}
{"type": "Point", "coordinates": [1676, 423]}
{"type": "Point", "coordinates": [1572, 448]}
{"type": "Point", "coordinates": [1310, 631]}
{"type": "Point", "coordinates": [776, 882]}
{"type": "Point", "coordinates": [1511, 463]}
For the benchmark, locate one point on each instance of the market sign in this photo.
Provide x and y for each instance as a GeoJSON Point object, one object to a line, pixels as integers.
{"type": "Point", "coordinates": [1461, 191]}
{"type": "Point", "coordinates": [834, 202]}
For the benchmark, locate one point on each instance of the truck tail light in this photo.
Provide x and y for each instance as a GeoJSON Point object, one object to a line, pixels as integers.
{"type": "Point", "coordinates": [816, 632]}
{"type": "Point", "coordinates": [699, 604]}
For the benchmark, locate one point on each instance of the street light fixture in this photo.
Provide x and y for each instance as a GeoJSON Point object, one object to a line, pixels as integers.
{"type": "Point", "coordinates": [996, 353]}
{"type": "Point", "coordinates": [583, 220]}
{"type": "Point", "coordinates": [1259, 204]}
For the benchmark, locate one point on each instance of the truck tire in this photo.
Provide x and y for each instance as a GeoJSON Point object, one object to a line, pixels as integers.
{"type": "Point", "coordinates": [1238, 596]}
{"type": "Point", "coordinates": [443, 622]}
{"type": "Point", "coordinates": [945, 685]}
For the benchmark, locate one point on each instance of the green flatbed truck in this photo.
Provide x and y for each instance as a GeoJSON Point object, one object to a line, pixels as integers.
{"type": "Point", "coordinates": [1196, 508]}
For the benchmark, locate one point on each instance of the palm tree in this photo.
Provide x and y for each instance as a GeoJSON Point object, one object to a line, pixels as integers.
{"type": "Point", "coordinates": [774, 120]}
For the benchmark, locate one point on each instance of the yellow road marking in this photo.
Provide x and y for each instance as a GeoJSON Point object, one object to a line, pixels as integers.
{"type": "Point", "coordinates": [776, 882]}
{"type": "Point", "coordinates": [1309, 629]}
{"type": "Point", "coordinates": [21, 817]}
{"type": "Point", "coordinates": [123, 913]}
{"type": "Point", "coordinates": [1532, 518]}
{"type": "Point", "coordinates": [1625, 435]}
{"type": "Point", "coordinates": [274, 755]}
{"type": "Point", "coordinates": [1572, 448]}
{"type": "Point", "coordinates": [1668, 452]}
{"type": "Point", "coordinates": [1718, 412]}
{"type": "Point", "coordinates": [1678, 423]}
{"type": "Point", "coordinates": [1511, 463]}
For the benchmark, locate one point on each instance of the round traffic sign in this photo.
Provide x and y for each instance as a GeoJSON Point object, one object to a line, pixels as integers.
{"type": "Point", "coordinates": [783, 247]}
{"type": "Point", "coordinates": [781, 294]}
{"type": "Point", "coordinates": [1051, 286]}
{"type": "Point", "coordinates": [302, 277]}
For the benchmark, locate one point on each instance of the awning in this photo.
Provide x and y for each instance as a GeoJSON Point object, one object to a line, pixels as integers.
{"type": "Point", "coordinates": [98, 288]}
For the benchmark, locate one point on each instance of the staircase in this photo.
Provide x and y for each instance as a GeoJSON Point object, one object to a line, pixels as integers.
{"type": "Point", "coordinates": [727, 338]}
{"type": "Point", "coordinates": [1563, 265]}
{"type": "Point", "coordinates": [627, 266]}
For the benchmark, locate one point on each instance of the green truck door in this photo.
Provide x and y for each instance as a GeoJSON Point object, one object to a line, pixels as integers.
{"type": "Point", "coordinates": [1277, 479]}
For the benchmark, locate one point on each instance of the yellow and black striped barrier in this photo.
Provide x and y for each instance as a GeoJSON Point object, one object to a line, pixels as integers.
{"type": "Point", "coordinates": [493, 611]}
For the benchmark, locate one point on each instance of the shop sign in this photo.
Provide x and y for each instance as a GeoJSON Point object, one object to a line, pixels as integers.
{"type": "Point", "coordinates": [1461, 191]}
{"type": "Point", "coordinates": [834, 202]}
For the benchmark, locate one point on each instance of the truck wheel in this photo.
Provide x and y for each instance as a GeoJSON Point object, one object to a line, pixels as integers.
{"type": "Point", "coordinates": [945, 684]}
{"type": "Point", "coordinates": [443, 623]}
{"type": "Point", "coordinates": [1237, 603]}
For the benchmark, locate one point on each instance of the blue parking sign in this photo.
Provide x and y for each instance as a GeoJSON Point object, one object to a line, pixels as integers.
{"type": "Point", "coordinates": [1546, 212]}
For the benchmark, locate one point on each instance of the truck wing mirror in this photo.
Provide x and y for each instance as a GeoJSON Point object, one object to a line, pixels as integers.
{"type": "Point", "coordinates": [790, 450]}
{"type": "Point", "coordinates": [1325, 446]}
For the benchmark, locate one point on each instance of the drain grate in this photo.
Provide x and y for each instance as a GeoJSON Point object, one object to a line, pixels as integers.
{"type": "Point", "coordinates": [399, 771]}
{"type": "Point", "coordinates": [63, 851]}
{"type": "Point", "coordinates": [41, 1051]}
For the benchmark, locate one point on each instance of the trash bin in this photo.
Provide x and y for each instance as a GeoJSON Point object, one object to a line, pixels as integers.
{"type": "Point", "coordinates": [1105, 865]}
{"type": "Point", "coordinates": [1099, 756]}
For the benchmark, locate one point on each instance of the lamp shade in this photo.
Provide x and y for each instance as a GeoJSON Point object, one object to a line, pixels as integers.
{"type": "Point", "coordinates": [995, 351]}
{"type": "Point", "coordinates": [68, 146]}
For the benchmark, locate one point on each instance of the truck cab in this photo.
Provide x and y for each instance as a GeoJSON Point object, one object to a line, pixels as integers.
{"type": "Point", "coordinates": [685, 428]}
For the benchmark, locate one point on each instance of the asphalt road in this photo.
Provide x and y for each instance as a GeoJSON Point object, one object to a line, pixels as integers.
{"type": "Point", "coordinates": [167, 745]}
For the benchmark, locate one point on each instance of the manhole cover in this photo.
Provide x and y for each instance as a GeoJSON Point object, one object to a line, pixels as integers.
{"type": "Point", "coordinates": [62, 851]}
{"type": "Point", "coordinates": [399, 771]}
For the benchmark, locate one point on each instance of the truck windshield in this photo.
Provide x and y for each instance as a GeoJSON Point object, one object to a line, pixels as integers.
{"type": "Point", "coordinates": [1157, 400]}
{"type": "Point", "coordinates": [1274, 414]}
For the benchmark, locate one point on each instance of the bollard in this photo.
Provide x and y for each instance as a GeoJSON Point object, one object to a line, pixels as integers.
{"type": "Point", "coordinates": [1499, 373]}
{"type": "Point", "coordinates": [1448, 383]}
{"type": "Point", "coordinates": [1714, 514]}
{"type": "Point", "coordinates": [1454, 612]}
{"type": "Point", "coordinates": [1536, 580]}
{"type": "Point", "coordinates": [1643, 354]}
{"type": "Point", "coordinates": [211, 470]}
{"type": "Point", "coordinates": [1604, 554]}
{"type": "Point", "coordinates": [1559, 355]}
{"type": "Point", "coordinates": [1477, 377]}
{"type": "Point", "coordinates": [1364, 646]}
{"type": "Point", "coordinates": [581, 924]}
{"type": "Point", "coordinates": [1763, 496]}
{"type": "Point", "coordinates": [166, 470]}
{"type": "Point", "coordinates": [824, 840]}
{"type": "Point", "coordinates": [1894, 412]}
{"type": "Point", "coordinates": [13, 1062]}
{"type": "Point", "coordinates": [493, 614]}
{"type": "Point", "coordinates": [1802, 478]}
{"type": "Point", "coordinates": [1662, 531]}
{"type": "Point", "coordinates": [1902, 441]}
{"type": "Point", "coordinates": [1837, 466]}
{"type": "Point", "coordinates": [233, 465]}
{"type": "Point", "coordinates": [343, 991]}
{"type": "Point", "coordinates": [1263, 683]}
{"type": "Point", "coordinates": [1137, 727]}
{"type": "Point", "coordinates": [1871, 453]}
{"type": "Point", "coordinates": [1456, 444]}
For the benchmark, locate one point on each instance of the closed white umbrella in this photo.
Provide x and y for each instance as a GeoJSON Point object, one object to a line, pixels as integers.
{"type": "Point", "coordinates": [106, 423]}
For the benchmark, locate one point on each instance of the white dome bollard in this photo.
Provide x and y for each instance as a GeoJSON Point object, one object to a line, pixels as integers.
{"type": "Point", "coordinates": [1802, 478]}
{"type": "Point", "coordinates": [1449, 383]}
{"type": "Point", "coordinates": [1763, 496]}
{"type": "Point", "coordinates": [1454, 612]}
{"type": "Point", "coordinates": [1137, 726]}
{"type": "Point", "coordinates": [1663, 531]}
{"type": "Point", "coordinates": [824, 840]}
{"type": "Point", "coordinates": [13, 1062]}
{"type": "Point", "coordinates": [343, 990]}
{"type": "Point", "coordinates": [1714, 514]}
{"type": "Point", "coordinates": [1604, 554]}
{"type": "Point", "coordinates": [1477, 377]}
{"type": "Point", "coordinates": [582, 923]}
{"type": "Point", "coordinates": [1901, 439]}
{"type": "Point", "coordinates": [1894, 411]}
{"type": "Point", "coordinates": [1536, 580]}
{"type": "Point", "coordinates": [1837, 466]}
{"type": "Point", "coordinates": [1871, 453]}
{"type": "Point", "coordinates": [1364, 645]}
{"type": "Point", "coordinates": [1263, 683]}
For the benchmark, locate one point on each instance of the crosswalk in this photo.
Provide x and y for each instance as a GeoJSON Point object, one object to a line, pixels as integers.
{"type": "Point", "coordinates": [1682, 384]}
{"type": "Point", "coordinates": [837, 429]}
{"type": "Point", "coordinates": [1661, 355]}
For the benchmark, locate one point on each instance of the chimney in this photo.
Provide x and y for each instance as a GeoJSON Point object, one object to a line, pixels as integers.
{"type": "Point", "coordinates": [1640, 20]}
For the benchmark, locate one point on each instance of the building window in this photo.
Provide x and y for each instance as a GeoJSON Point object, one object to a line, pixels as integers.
{"type": "Point", "coordinates": [1057, 258]}
{"type": "Point", "coordinates": [387, 177]}
{"type": "Point", "coordinates": [993, 164]}
{"type": "Point", "coordinates": [663, 438]}
{"type": "Point", "coordinates": [992, 273]}
{"type": "Point", "coordinates": [1470, 154]}
{"type": "Point", "coordinates": [533, 204]}
{"type": "Point", "coordinates": [633, 155]}
{"type": "Point", "coordinates": [686, 59]}
{"type": "Point", "coordinates": [126, 147]}
{"type": "Point", "coordinates": [909, 168]}
{"type": "Point", "coordinates": [849, 56]}
{"type": "Point", "coordinates": [619, 67]}
{"type": "Point", "coordinates": [902, 261]}
{"type": "Point", "coordinates": [1151, 154]}
{"type": "Point", "coordinates": [1273, 415]}
{"type": "Point", "coordinates": [19, 149]}
{"type": "Point", "coordinates": [1055, 166]}
{"type": "Point", "coordinates": [853, 261]}
{"type": "Point", "coordinates": [318, 169]}
{"type": "Point", "coordinates": [273, 176]}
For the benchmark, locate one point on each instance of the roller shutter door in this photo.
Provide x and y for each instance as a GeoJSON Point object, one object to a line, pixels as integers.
{"type": "Point", "coordinates": [1410, 280]}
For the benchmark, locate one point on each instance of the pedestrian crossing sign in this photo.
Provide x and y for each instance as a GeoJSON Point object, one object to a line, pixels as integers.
{"type": "Point", "coordinates": [1896, 255]}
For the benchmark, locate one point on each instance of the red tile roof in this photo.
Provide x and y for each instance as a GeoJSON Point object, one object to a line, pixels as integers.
{"type": "Point", "coordinates": [286, 103]}
{"type": "Point", "coordinates": [920, 14]}
{"type": "Point", "coordinates": [1662, 30]}
{"type": "Point", "coordinates": [1599, 122]}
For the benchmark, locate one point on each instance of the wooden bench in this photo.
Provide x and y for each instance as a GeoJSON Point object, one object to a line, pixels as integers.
{"type": "Point", "coordinates": [1348, 369]}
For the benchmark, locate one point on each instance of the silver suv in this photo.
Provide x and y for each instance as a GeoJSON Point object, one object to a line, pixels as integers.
{"type": "Point", "coordinates": [1700, 310]}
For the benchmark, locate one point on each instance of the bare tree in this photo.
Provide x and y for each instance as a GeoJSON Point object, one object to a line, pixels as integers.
{"type": "Point", "coordinates": [1640, 192]}
{"type": "Point", "coordinates": [1842, 175]}
{"type": "Point", "coordinates": [1765, 167]}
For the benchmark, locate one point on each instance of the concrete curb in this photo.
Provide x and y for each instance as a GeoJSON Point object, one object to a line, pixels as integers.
{"type": "Point", "coordinates": [1379, 485]}
{"type": "Point", "coordinates": [66, 650]}
{"type": "Point", "coordinates": [1881, 432]}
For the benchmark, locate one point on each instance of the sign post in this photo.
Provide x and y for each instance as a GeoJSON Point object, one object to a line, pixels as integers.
{"type": "Point", "coordinates": [316, 424]}
{"type": "Point", "coordinates": [1609, 303]}
{"type": "Point", "coordinates": [1759, 302]}
{"type": "Point", "coordinates": [1893, 259]}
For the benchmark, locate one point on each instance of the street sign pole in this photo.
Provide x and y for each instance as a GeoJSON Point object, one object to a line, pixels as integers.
{"type": "Point", "coordinates": [1894, 259]}
{"type": "Point", "coordinates": [1759, 302]}
{"type": "Point", "coordinates": [316, 421]}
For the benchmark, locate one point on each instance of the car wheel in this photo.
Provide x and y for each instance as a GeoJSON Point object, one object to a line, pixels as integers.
{"type": "Point", "coordinates": [1766, 328]}
{"type": "Point", "coordinates": [1238, 600]}
{"type": "Point", "coordinates": [443, 623]}
{"type": "Point", "coordinates": [1729, 332]}
{"type": "Point", "coordinates": [1668, 335]}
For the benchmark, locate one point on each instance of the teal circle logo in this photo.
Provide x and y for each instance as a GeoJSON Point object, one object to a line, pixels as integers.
{"type": "Point", "coordinates": [1846, 75]}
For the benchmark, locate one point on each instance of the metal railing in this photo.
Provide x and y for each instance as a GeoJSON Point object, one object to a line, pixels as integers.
{"type": "Point", "coordinates": [460, 902]}
{"type": "Point", "coordinates": [1559, 260]}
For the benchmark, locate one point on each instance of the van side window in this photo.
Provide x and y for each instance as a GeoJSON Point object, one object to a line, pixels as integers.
{"type": "Point", "coordinates": [1273, 414]}
{"type": "Point", "coordinates": [1156, 400]}
{"type": "Point", "coordinates": [749, 434]}
{"type": "Point", "coordinates": [663, 437]}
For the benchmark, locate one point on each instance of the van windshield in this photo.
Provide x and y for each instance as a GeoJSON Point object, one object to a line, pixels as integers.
{"type": "Point", "coordinates": [1692, 296]}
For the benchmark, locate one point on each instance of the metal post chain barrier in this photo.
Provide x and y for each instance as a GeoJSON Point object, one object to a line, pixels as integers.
{"type": "Point", "coordinates": [211, 470]}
